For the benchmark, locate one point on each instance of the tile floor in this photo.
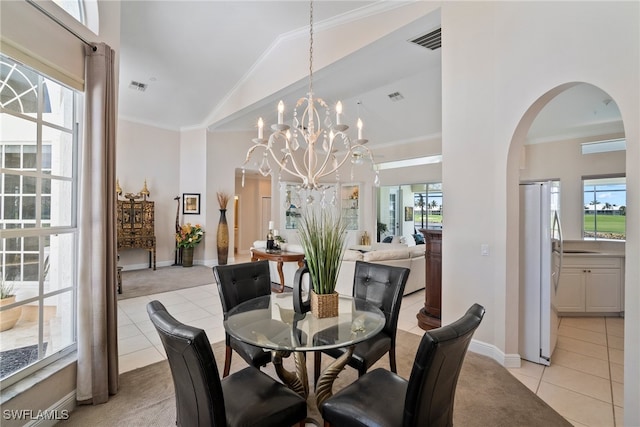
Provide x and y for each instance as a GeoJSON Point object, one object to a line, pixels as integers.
{"type": "Point", "coordinates": [585, 380]}
{"type": "Point", "coordinates": [584, 384]}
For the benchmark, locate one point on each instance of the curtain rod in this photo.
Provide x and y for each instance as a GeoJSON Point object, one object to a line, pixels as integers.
{"type": "Point", "coordinates": [62, 24]}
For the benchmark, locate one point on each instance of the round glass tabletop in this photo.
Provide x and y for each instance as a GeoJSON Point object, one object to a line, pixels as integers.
{"type": "Point", "coordinates": [270, 322]}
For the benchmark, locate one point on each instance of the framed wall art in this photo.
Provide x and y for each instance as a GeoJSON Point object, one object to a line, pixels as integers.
{"type": "Point", "coordinates": [408, 213]}
{"type": "Point", "coordinates": [191, 203]}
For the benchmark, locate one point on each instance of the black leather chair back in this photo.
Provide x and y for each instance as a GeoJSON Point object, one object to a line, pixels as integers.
{"type": "Point", "coordinates": [383, 286]}
{"type": "Point", "coordinates": [434, 377]}
{"type": "Point", "coordinates": [238, 283]}
{"type": "Point", "coordinates": [199, 398]}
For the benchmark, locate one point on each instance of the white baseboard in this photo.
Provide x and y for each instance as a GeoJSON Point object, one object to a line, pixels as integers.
{"type": "Point", "coordinates": [61, 410]}
{"type": "Point", "coordinates": [490, 350]}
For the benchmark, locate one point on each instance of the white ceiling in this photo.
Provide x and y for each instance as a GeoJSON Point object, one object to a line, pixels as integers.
{"type": "Point", "coordinates": [192, 54]}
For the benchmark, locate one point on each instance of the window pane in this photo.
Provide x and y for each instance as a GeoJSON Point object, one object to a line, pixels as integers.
{"type": "Point", "coordinates": [30, 268]}
{"type": "Point", "coordinates": [59, 326]}
{"type": "Point", "coordinates": [31, 243]}
{"type": "Point", "coordinates": [11, 184]}
{"type": "Point", "coordinates": [11, 207]}
{"type": "Point", "coordinates": [12, 155]}
{"type": "Point", "coordinates": [28, 207]}
{"type": "Point", "coordinates": [605, 208]}
{"type": "Point", "coordinates": [61, 150]}
{"type": "Point", "coordinates": [59, 104]}
{"type": "Point", "coordinates": [29, 156]}
{"type": "Point", "coordinates": [60, 210]}
{"type": "Point", "coordinates": [59, 257]}
{"type": "Point", "coordinates": [13, 244]}
{"type": "Point", "coordinates": [12, 265]}
{"type": "Point", "coordinates": [46, 157]}
{"type": "Point", "coordinates": [15, 129]}
{"type": "Point", "coordinates": [46, 186]}
{"type": "Point", "coordinates": [18, 88]}
{"type": "Point", "coordinates": [29, 185]}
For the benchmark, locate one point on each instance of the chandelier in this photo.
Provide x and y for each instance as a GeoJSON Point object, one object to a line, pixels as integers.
{"type": "Point", "coordinates": [306, 149]}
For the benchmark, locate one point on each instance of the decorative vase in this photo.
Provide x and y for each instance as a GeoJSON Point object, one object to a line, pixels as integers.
{"type": "Point", "coordinates": [324, 305]}
{"type": "Point", "coordinates": [8, 318]}
{"type": "Point", "coordinates": [301, 304]}
{"type": "Point", "coordinates": [187, 257]}
{"type": "Point", "coordinates": [223, 238]}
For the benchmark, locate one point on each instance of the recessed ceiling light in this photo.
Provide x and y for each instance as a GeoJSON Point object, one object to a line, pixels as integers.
{"type": "Point", "coordinates": [137, 86]}
{"type": "Point", "coordinates": [395, 96]}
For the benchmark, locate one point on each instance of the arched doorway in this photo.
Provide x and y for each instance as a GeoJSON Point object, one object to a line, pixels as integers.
{"type": "Point", "coordinates": [557, 156]}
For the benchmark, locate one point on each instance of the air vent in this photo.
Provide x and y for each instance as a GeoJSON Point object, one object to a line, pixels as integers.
{"type": "Point", "coordinates": [395, 96]}
{"type": "Point", "coordinates": [137, 86]}
{"type": "Point", "coordinates": [430, 40]}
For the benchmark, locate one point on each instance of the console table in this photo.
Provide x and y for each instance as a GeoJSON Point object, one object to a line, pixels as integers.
{"type": "Point", "coordinates": [429, 315]}
{"type": "Point", "coordinates": [136, 229]}
{"type": "Point", "coordinates": [279, 257]}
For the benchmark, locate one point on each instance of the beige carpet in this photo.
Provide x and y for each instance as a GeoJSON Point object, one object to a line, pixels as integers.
{"type": "Point", "coordinates": [487, 394]}
{"type": "Point", "coordinates": [137, 283]}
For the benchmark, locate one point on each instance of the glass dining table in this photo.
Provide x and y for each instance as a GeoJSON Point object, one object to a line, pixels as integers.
{"type": "Point", "coordinates": [271, 322]}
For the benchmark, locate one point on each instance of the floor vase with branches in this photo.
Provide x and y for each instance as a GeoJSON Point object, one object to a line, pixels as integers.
{"type": "Point", "coordinates": [222, 241]}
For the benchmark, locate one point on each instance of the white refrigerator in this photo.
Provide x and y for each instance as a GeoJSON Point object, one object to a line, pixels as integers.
{"type": "Point", "coordinates": [540, 265]}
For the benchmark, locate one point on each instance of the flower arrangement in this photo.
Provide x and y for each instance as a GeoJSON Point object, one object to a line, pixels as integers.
{"type": "Point", "coordinates": [189, 235]}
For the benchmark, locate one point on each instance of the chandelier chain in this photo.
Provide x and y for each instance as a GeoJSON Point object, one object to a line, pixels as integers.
{"type": "Point", "coordinates": [311, 46]}
{"type": "Point", "coordinates": [301, 156]}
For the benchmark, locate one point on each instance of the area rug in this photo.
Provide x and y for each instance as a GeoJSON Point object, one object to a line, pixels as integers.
{"type": "Point", "coordinates": [17, 358]}
{"type": "Point", "coordinates": [137, 283]}
{"type": "Point", "coordinates": [487, 394]}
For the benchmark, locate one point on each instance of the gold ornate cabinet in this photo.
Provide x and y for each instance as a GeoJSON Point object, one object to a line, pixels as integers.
{"type": "Point", "coordinates": [136, 229]}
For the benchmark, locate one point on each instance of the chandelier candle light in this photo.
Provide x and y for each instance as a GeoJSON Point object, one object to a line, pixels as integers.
{"type": "Point", "coordinates": [306, 149]}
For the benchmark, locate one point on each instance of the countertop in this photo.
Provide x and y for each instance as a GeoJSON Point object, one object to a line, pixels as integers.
{"type": "Point", "coordinates": [596, 248]}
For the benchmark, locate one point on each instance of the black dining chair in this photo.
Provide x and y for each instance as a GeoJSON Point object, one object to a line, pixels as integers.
{"type": "Point", "coordinates": [247, 397]}
{"type": "Point", "coordinates": [383, 286]}
{"type": "Point", "coordinates": [426, 399]}
{"type": "Point", "coordinates": [238, 283]}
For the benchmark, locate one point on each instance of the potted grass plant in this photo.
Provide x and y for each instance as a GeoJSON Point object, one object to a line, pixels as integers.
{"type": "Point", "coordinates": [322, 237]}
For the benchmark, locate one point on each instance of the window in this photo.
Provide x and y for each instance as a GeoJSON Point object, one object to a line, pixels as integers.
{"type": "Point", "coordinates": [404, 209]}
{"type": "Point", "coordinates": [605, 201]}
{"type": "Point", "coordinates": [74, 8]}
{"type": "Point", "coordinates": [38, 148]}
{"type": "Point", "coordinates": [428, 204]}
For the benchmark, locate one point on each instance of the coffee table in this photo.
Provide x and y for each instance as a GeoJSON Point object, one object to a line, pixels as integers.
{"type": "Point", "coordinates": [270, 322]}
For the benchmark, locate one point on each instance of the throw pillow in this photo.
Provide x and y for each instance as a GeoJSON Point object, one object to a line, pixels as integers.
{"type": "Point", "coordinates": [419, 238]}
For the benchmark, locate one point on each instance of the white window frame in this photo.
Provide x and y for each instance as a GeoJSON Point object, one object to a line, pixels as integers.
{"type": "Point", "coordinates": [41, 228]}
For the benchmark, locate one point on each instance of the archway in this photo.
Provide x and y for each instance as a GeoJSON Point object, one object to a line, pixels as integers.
{"type": "Point", "coordinates": [574, 169]}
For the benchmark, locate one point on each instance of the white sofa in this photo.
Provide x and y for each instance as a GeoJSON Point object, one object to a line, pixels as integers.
{"type": "Point", "coordinates": [400, 255]}
{"type": "Point", "coordinates": [411, 257]}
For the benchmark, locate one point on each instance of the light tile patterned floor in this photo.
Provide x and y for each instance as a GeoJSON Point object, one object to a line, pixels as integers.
{"type": "Point", "coordinates": [584, 383]}
{"type": "Point", "coordinates": [585, 380]}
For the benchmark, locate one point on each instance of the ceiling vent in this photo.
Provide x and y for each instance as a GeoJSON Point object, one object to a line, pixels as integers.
{"type": "Point", "coordinates": [137, 86]}
{"type": "Point", "coordinates": [395, 96]}
{"type": "Point", "coordinates": [430, 40]}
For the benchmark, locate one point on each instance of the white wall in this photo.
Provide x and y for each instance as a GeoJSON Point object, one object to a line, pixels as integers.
{"type": "Point", "coordinates": [146, 152]}
{"type": "Point", "coordinates": [193, 179]}
{"type": "Point", "coordinates": [499, 58]}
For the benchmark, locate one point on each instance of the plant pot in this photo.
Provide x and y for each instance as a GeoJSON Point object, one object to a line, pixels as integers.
{"type": "Point", "coordinates": [187, 257]}
{"type": "Point", "coordinates": [324, 305]}
{"type": "Point", "coordinates": [9, 318]}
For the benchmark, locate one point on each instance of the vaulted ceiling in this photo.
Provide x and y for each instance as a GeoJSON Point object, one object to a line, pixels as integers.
{"type": "Point", "coordinates": [193, 55]}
